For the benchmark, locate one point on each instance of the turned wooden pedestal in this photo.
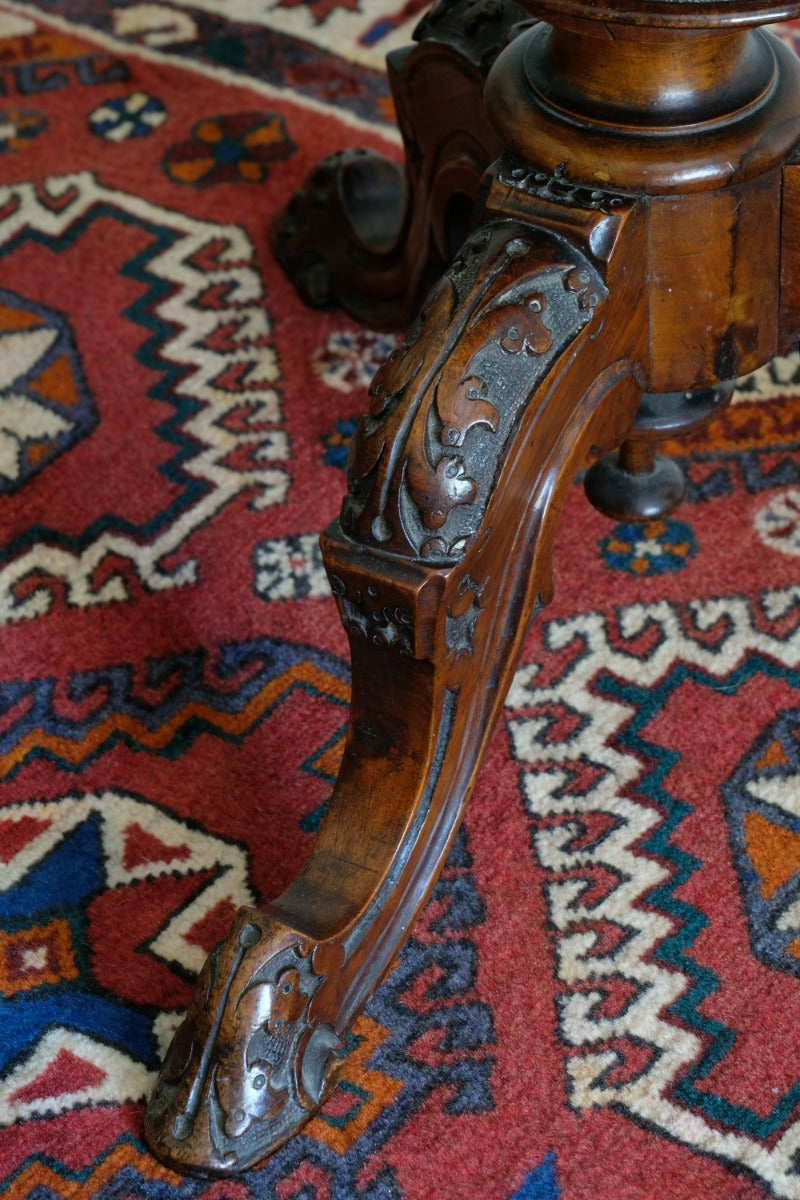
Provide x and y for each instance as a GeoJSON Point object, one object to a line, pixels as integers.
{"type": "Point", "coordinates": [634, 248]}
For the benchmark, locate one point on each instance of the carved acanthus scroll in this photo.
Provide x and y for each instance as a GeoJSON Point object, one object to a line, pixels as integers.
{"type": "Point", "coordinates": [442, 552]}
{"type": "Point", "coordinates": [251, 1046]}
{"type": "Point", "coordinates": [443, 407]}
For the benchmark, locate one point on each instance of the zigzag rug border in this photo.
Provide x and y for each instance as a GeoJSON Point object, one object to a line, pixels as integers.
{"type": "Point", "coordinates": [222, 75]}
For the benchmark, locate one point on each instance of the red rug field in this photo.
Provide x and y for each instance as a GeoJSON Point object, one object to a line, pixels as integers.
{"type": "Point", "coordinates": [602, 1000]}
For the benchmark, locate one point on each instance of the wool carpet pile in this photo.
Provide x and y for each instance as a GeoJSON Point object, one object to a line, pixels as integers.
{"type": "Point", "coordinates": [602, 998]}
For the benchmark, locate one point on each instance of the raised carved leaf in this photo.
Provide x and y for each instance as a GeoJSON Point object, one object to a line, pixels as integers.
{"type": "Point", "coordinates": [463, 407]}
{"type": "Point", "coordinates": [437, 490]}
{"type": "Point", "coordinates": [494, 325]}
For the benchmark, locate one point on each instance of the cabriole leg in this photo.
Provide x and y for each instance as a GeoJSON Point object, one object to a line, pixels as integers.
{"type": "Point", "coordinates": [524, 358]}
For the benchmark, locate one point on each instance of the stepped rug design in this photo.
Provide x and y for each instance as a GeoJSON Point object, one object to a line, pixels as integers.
{"type": "Point", "coordinates": [602, 999]}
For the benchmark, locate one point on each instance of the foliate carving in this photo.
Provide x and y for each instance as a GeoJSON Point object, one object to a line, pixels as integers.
{"type": "Point", "coordinates": [249, 1061]}
{"type": "Point", "coordinates": [556, 186]}
{"type": "Point", "coordinates": [444, 405]}
{"type": "Point", "coordinates": [479, 29]}
{"type": "Point", "coordinates": [364, 611]}
{"type": "Point", "coordinates": [462, 616]}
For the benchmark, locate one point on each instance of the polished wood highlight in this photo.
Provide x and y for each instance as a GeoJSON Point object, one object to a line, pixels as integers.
{"type": "Point", "coordinates": [632, 249]}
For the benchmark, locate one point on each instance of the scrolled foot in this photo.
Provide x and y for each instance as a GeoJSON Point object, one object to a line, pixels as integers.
{"type": "Point", "coordinates": [369, 235]}
{"type": "Point", "coordinates": [338, 239]}
{"type": "Point", "coordinates": [514, 370]}
{"type": "Point", "coordinates": [252, 1059]}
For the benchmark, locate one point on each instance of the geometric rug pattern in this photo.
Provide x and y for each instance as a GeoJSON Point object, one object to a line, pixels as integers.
{"type": "Point", "coordinates": [604, 988]}
{"type": "Point", "coordinates": [652, 1017]}
{"type": "Point", "coordinates": [217, 339]}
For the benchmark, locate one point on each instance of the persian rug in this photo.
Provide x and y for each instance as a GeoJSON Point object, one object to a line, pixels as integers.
{"type": "Point", "coordinates": [601, 998]}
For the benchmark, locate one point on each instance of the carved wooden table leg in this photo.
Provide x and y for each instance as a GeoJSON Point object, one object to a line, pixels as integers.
{"type": "Point", "coordinates": [629, 256]}
{"type": "Point", "coordinates": [370, 236]}
{"type": "Point", "coordinates": [522, 360]}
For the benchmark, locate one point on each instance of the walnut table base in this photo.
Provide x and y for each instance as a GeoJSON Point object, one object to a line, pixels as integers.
{"type": "Point", "coordinates": [635, 247]}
